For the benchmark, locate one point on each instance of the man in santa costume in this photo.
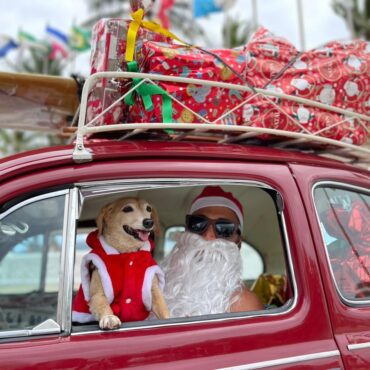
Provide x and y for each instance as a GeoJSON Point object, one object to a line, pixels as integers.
{"type": "Point", "coordinates": [203, 272]}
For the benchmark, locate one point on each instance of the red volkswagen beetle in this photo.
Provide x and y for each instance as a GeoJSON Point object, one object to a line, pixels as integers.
{"type": "Point", "coordinates": [304, 253]}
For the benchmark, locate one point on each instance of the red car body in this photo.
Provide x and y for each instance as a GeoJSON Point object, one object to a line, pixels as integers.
{"type": "Point", "coordinates": [318, 331]}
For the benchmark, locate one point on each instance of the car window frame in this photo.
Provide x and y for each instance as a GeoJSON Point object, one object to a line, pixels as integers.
{"type": "Point", "coordinates": [348, 187]}
{"type": "Point", "coordinates": [49, 326]}
{"type": "Point", "coordinates": [89, 189]}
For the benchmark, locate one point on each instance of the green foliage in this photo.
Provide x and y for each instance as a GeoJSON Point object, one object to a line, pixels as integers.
{"type": "Point", "coordinates": [359, 16]}
{"type": "Point", "coordinates": [235, 32]}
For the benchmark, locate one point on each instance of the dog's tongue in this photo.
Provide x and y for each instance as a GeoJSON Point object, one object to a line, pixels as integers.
{"type": "Point", "coordinates": [143, 235]}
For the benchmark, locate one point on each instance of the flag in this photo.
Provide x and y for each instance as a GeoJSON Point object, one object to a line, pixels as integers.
{"type": "Point", "coordinates": [6, 44]}
{"type": "Point", "coordinates": [58, 43]}
{"type": "Point", "coordinates": [202, 8]}
{"type": "Point", "coordinates": [160, 10]}
{"type": "Point", "coordinates": [79, 39]}
{"type": "Point", "coordinates": [57, 51]}
{"type": "Point", "coordinates": [57, 35]}
{"type": "Point", "coordinates": [26, 39]}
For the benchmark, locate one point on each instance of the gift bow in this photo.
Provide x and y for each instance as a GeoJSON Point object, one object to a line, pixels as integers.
{"type": "Point", "coordinates": [151, 26]}
{"type": "Point", "coordinates": [146, 90]}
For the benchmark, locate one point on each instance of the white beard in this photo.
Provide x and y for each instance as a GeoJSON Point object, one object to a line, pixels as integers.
{"type": "Point", "coordinates": [202, 277]}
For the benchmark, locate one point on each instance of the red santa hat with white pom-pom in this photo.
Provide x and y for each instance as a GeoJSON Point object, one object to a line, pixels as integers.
{"type": "Point", "coordinates": [215, 196]}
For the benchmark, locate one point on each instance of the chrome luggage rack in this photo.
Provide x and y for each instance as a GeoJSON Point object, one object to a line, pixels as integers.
{"type": "Point", "coordinates": [222, 133]}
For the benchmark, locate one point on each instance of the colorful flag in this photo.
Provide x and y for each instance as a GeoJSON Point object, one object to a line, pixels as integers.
{"type": "Point", "coordinates": [58, 42]}
{"type": "Point", "coordinates": [160, 10]}
{"type": "Point", "coordinates": [202, 8]}
{"type": "Point", "coordinates": [6, 44]}
{"type": "Point", "coordinates": [26, 39]}
{"type": "Point", "coordinates": [79, 39]}
{"type": "Point", "coordinates": [57, 51]}
{"type": "Point", "coordinates": [57, 35]}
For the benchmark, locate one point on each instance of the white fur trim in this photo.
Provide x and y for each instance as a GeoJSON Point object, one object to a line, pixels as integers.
{"type": "Point", "coordinates": [147, 284]}
{"type": "Point", "coordinates": [107, 248]}
{"type": "Point", "coordinates": [82, 317]}
{"type": "Point", "coordinates": [217, 202]}
{"type": "Point", "coordinates": [104, 276]}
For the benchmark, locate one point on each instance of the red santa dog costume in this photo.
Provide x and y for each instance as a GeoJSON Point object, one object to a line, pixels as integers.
{"type": "Point", "coordinates": [126, 279]}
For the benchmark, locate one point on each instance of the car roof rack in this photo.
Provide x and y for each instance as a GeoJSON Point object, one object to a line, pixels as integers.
{"type": "Point", "coordinates": [214, 131]}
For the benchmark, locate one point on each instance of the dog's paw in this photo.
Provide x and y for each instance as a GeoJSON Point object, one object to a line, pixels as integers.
{"type": "Point", "coordinates": [109, 322]}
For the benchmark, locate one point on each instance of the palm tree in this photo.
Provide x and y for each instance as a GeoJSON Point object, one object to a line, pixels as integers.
{"type": "Point", "coordinates": [235, 32]}
{"type": "Point", "coordinates": [356, 17]}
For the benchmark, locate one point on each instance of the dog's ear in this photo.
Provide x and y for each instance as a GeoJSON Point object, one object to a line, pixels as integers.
{"type": "Point", "coordinates": [157, 225]}
{"type": "Point", "coordinates": [100, 220]}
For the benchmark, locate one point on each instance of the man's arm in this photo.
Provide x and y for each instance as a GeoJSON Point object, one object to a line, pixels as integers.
{"type": "Point", "coordinates": [247, 301]}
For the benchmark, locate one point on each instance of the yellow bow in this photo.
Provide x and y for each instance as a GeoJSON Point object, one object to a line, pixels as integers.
{"type": "Point", "coordinates": [151, 26]}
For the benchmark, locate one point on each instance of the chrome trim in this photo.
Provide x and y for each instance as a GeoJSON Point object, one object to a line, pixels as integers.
{"type": "Point", "coordinates": [36, 330]}
{"type": "Point", "coordinates": [284, 361]}
{"type": "Point", "coordinates": [170, 324]}
{"type": "Point", "coordinates": [343, 186]}
{"type": "Point", "coordinates": [290, 265]}
{"type": "Point", "coordinates": [64, 313]}
{"type": "Point", "coordinates": [353, 347]}
{"type": "Point", "coordinates": [32, 200]}
{"type": "Point", "coordinates": [131, 185]}
{"type": "Point", "coordinates": [153, 183]}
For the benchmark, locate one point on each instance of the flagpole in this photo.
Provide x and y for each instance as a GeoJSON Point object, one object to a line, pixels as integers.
{"type": "Point", "coordinates": [302, 40]}
{"type": "Point", "coordinates": [254, 15]}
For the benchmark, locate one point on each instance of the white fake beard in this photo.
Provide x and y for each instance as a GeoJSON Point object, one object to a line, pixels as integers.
{"type": "Point", "coordinates": [202, 277]}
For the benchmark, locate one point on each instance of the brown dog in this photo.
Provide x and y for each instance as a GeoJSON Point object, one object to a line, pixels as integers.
{"type": "Point", "coordinates": [125, 225]}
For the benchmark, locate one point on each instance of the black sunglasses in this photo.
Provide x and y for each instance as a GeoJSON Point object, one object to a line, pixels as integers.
{"type": "Point", "coordinates": [222, 228]}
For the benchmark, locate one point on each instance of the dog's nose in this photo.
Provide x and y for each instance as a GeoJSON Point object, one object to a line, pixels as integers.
{"type": "Point", "coordinates": [148, 223]}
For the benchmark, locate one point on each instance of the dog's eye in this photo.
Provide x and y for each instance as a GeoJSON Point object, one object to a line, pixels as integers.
{"type": "Point", "coordinates": [149, 208]}
{"type": "Point", "coordinates": [127, 209]}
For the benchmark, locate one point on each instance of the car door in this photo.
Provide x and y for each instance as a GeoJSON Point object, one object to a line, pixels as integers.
{"type": "Point", "coordinates": [291, 336]}
{"type": "Point", "coordinates": [338, 206]}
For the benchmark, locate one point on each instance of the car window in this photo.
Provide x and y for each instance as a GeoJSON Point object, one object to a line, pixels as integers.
{"type": "Point", "coordinates": [30, 252]}
{"type": "Point", "coordinates": [263, 257]}
{"type": "Point", "coordinates": [344, 216]}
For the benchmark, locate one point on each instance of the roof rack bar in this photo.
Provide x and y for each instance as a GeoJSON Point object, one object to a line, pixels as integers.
{"type": "Point", "coordinates": [132, 133]}
{"type": "Point", "coordinates": [156, 77]}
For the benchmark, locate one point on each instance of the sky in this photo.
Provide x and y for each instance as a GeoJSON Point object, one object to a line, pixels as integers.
{"type": "Point", "coordinates": [321, 24]}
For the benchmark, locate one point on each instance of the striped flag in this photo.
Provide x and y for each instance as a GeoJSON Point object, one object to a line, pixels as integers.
{"type": "Point", "coordinates": [79, 39]}
{"type": "Point", "coordinates": [6, 45]}
{"type": "Point", "coordinates": [26, 39]}
{"type": "Point", "coordinates": [59, 43]}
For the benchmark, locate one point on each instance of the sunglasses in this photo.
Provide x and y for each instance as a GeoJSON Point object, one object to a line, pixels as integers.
{"type": "Point", "coordinates": [222, 228]}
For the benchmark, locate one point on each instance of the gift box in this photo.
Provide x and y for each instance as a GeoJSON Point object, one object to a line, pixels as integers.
{"type": "Point", "coordinates": [210, 103]}
{"type": "Point", "coordinates": [336, 74]}
{"type": "Point", "coordinates": [108, 49]}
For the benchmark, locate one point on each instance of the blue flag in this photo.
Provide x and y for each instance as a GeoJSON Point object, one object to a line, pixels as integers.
{"type": "Point", "coordinates": [6, 45]}
{"type": "Point", "coordinates": [57, 35]}
{"type": "Point", "coordinates": [202, 8]}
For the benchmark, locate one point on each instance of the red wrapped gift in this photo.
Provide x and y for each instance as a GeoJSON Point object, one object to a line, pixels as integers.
{"type": "Point", "coordinates": [108, 48]}
{"type": "Point", "coordinates": [208, 102]}
{"type": "Point", "coordinates": [336, 74]}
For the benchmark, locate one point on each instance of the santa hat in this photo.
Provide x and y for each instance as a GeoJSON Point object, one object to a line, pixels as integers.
{"type": "Point", "coordinates": [216, 196]}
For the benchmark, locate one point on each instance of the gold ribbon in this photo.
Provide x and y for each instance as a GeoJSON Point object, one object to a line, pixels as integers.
{"type": "Point", "coordinates": [151, 26]}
